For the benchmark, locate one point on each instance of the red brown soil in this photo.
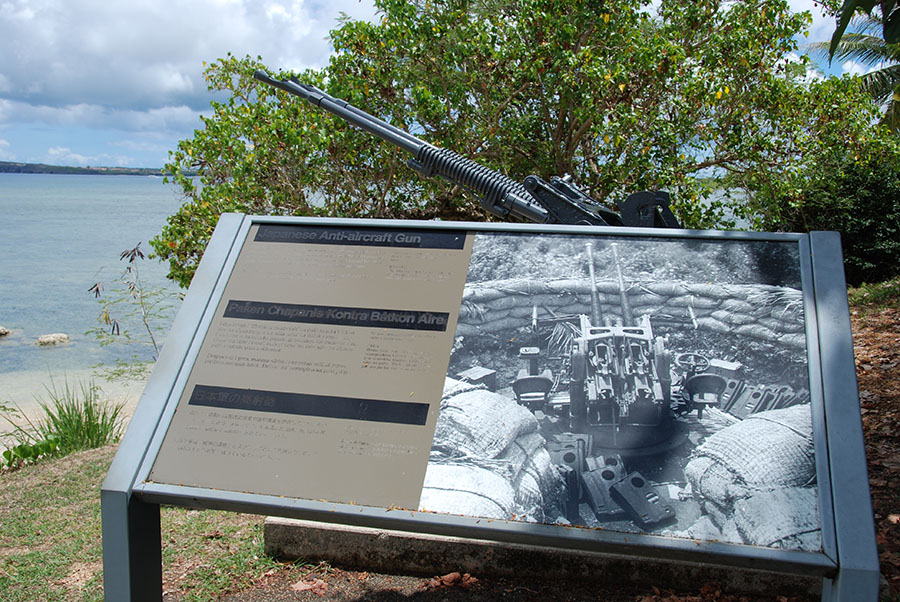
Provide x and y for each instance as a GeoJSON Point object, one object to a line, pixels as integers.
{"type": "Point", "coordinates": [876, 340]}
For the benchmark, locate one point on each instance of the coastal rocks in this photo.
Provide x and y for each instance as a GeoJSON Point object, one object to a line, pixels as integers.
{"type": "Point", "coordinates": [48, 340]}
{"type": "Point", "coordinates": [3, 332]}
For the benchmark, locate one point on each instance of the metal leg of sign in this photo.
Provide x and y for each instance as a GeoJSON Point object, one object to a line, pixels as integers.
{"type": "Point", "coordinates": [850, 585]}
{"type": "Point", "coordinates": [132, 549]}
{"type": "Point", "coordinates": [858, 575]}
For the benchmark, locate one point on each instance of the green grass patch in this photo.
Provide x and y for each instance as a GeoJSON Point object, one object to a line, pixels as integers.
{"type": "Point", "coordinates": [51, 543]}
{"type": "Point", "coordinates": [880, 295]}
{"type": "Point", "coordinates": [50, 540]}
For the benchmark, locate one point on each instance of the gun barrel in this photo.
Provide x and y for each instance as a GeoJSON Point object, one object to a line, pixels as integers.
{"type": "Point", "coordinates": [346, 111]}
{"type": "Point", "coordinates": [501, 195]}
{"type": "Point", "coordinates": [596, 313]}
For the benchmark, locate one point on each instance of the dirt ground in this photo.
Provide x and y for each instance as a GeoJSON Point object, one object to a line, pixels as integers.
{"type": "Point", "coordinates": [876, 339]}
{"type": "Point", "coordinates": [351, 586]}
{"type": "Point", "coordinates": [877, 347]}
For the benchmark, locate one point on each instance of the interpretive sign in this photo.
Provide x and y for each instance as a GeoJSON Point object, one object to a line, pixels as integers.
{"type": "Point", "coordinates": [322, 370]}
{"type": "Point", "coordinates": [666, 395]}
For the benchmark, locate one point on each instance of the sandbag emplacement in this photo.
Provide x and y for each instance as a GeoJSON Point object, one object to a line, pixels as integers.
{"type": "Point", "coordinates": [488, 459]}
{"type": "Point", "coordinates": [768, 313]}
{"type": "Point", "coordinates": [767, 450]}
{"type": "Point", "coordinates": [467, 490]}
{"type": "Point", "coordinates": [783, 518]}
{"type": "Point", "coordinates": [480, 424]}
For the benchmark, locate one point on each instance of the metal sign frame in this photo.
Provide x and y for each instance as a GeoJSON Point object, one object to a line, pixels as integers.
{"type": "Point", "coordinates": [847, 562]}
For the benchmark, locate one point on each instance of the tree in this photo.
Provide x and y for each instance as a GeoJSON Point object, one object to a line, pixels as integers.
{"type": "Point", "coordinates": [883, 84]}
{"type": "Point", "coordinates": [696, 98]}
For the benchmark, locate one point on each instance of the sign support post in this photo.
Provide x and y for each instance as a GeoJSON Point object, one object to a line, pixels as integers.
{"type": "Point", "coordinates": [858, 577]}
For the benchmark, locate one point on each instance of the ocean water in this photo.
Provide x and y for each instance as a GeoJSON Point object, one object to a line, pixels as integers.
{"type": "Point", "coordinates": [59, 234]}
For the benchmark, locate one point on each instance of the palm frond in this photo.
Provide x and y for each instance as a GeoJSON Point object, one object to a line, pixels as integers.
{"type": "Point", "coordinates": [891, 116]}
{"type": "Point", "coordinates": [883, 83]}
{"type": "Point", "coordinates": [863, 48]}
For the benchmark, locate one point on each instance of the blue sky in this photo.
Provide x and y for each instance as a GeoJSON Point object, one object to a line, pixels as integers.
{"type": "Point", "coordinates": [119, 82]}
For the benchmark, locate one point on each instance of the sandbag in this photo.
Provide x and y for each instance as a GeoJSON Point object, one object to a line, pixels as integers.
{"type": "Point", "coordinates": [767, 450]}
{"type": "Point", "coordinates": [692, 301]}
{"type": "Point", "coordinates": [480, 423]}
{"type": "Point", "coordinates": [529, 461]}
{"type": "Point", "coordinates": [467, 490]}
{"type": "Point", "coordinates": [737, 306]}
{"type": "Point", "coordinates": [781, 325]}
{"type": "Point", "coordinates": [757, 331]}
{"type": "Point", "coordinates": [642, 299]}
{"type": "Point", "coordinates": [729, 317]}
{"type": "Point", "coordinates": [505, 302]}
{"type": "Point", "coordinates": [797, 340]}
{"type": "Point", "coordinates": [709, 323]}
{"type": "Point", "coordinates": [791, 312]}
{"type": "Point", "coordinates": [487, 458]}
{"type": "Point", "coordinates": [666, 288]}
{"type": "Point", "coordinates": [783, 518]}
{"type": "Point", "coordinates": [712, 291]}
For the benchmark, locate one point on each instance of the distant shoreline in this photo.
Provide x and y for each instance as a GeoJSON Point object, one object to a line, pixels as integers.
{"type": "Point", "coordinates": [40, 168]}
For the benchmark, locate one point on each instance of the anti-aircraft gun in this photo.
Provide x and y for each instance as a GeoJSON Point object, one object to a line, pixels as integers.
{"type": "Point", "coordinates": [558, 201]}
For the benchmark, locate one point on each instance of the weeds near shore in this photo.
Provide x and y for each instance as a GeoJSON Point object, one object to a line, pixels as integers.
{"type": "Point", "coordinates": [79, 419]}
{"type": "Point", "coordinates": [132, 303]}
{"type": "Point", "coordinates": [75, 418]}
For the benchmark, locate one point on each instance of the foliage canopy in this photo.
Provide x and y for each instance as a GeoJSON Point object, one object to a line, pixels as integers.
{"type": "Point", "coordinates": [696, 97]}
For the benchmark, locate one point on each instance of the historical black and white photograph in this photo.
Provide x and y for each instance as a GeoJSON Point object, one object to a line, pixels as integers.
{"type": "Point", "coordinates": [650, 385]}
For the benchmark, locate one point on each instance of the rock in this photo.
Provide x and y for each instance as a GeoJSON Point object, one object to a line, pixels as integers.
{"type": "Point", "coordinates": [3, 331]}
{"type": "Point", "coordinates": [58, 338]}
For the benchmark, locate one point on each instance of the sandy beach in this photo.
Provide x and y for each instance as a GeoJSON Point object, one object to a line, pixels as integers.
{"type": "Point", "coordinates": [26, 390]}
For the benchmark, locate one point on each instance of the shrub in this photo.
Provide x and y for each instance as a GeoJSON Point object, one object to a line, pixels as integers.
{"type": "Point", "coordinates": [74, 419]}
{"type": "Point", "coordinates": [78, 419]}
{"type": "Point", "coordinates": [858, 195]}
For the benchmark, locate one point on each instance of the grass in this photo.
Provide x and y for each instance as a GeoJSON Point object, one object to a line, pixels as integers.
{"type": "Point", "coordinates": [51, 546]}
{"type": "Point", "coordinates": [78, 419]}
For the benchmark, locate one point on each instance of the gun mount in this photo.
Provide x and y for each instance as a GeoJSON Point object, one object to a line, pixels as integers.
{"type": "Point", "coordinates": [557, 201]}
{"type": "Point", "coordinates": [616, 394]}
{"type": "Point", "coordinates": [619, 376]}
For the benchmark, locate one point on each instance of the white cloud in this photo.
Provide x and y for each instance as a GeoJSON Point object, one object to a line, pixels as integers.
{"type": "Point", "coordinates": [151, 52]}
{"type": "Point", "coordinates": [90, 78]}
{"type": "Point", "coordinates": [853, 68]}
{"type": "Point", "coordinates": [812, 71]}
{"type": "Point", "coordinates": [92, 116]}
{"type": "Point", "coordinates": [5, 155]}
{"type": "Point", "coordinates": [822, 25]}
{"type": "Point", "coordinates": [60, 155]}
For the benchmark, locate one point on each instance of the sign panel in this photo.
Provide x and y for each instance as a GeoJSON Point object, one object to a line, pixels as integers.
{"type": "Point", "coordinates": [322, 370]}
{"type": "Point", "coordinates": [631, 384]}
{"type": "Point", "coordinates": [661, 395]}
